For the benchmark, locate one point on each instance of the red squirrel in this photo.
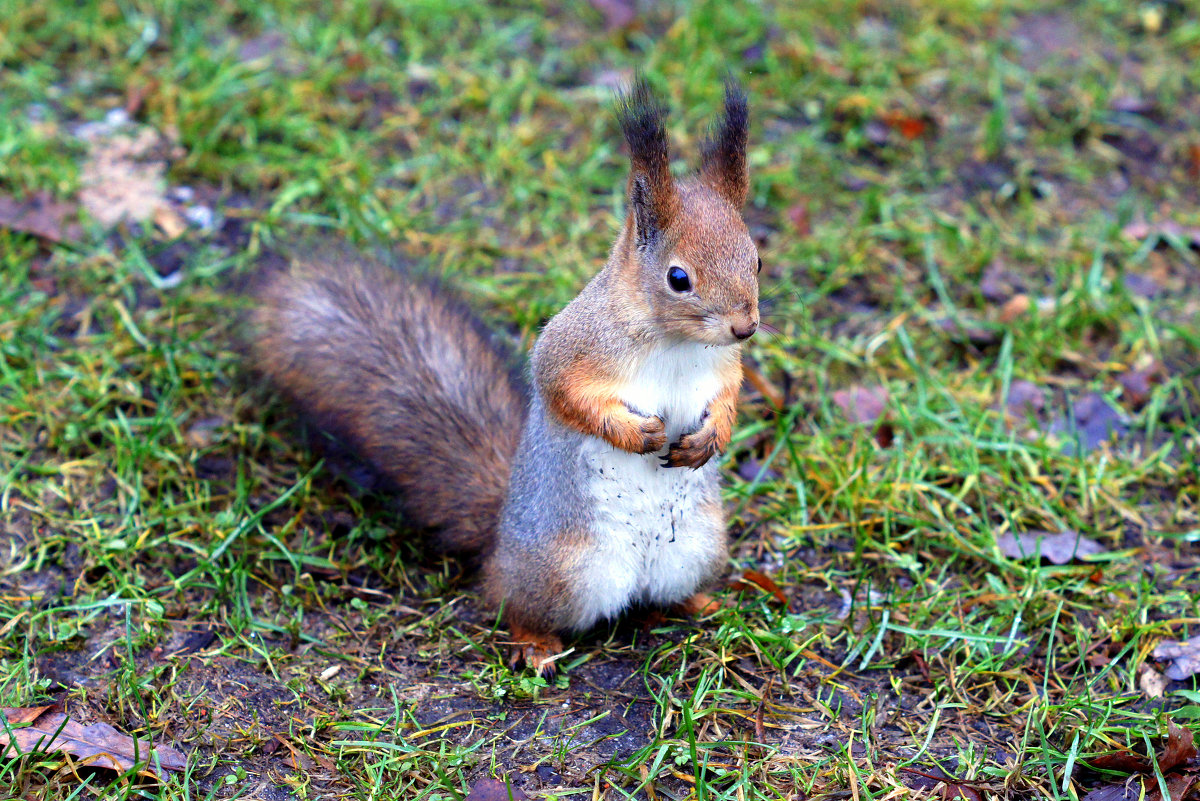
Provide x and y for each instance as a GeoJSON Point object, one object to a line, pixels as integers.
{"type": "Point", "coordinates": [594, 487]}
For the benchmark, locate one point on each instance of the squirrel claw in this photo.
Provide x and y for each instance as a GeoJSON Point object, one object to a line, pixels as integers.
{"type": "Point", "coordinates": [692, 451]}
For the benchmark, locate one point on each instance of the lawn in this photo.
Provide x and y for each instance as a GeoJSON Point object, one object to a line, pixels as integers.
{"type": "Point", "coordinates": [981, 236]}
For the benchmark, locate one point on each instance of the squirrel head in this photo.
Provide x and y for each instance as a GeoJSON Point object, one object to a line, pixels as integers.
{"type": "Point", "coordinates": [684, 247]}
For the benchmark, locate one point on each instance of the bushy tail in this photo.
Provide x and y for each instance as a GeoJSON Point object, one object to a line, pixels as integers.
{"type": "Point", "coordinates": [408, 377]}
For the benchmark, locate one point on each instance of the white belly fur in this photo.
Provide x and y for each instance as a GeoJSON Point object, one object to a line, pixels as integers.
{"type": "Point", "coordinates": [652, 543]}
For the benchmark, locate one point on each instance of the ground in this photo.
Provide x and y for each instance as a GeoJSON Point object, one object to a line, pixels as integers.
{"type": "Point", "coordinates": [980, 233]}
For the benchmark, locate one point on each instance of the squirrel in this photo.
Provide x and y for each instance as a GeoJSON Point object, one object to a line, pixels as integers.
{"type": "Point", "coordinates": [593, 488]}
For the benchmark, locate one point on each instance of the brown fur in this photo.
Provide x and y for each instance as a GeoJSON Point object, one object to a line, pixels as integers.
{"type": "Point", "coordinates": [395, 368]}
{"type": "Point", "coordinates": [581, 397]}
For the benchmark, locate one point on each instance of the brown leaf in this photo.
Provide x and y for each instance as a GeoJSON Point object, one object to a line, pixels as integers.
{"type": "Point", "coordinates": [1058, 548]}
{"type": "Point", "coordinates": [761, 580]}
{"type": "Point", "coordinates": [1121, 761]}
{"type": "Point", "coordinates": [99, 744]}
{"type": "Point", "coordinates": [1178, 785]}
{"type": "Point", "coordinates": [18, 716]}
{"type": "Point", "coordinates": [907, 125]}
{"type": "Point", "coordinates": [41, 216]}
{"type": "Point", "coordinates": [953, 790]}
{"type": "Point", "coordinates": [1137, 384]}
{"type": "Point", "coordinates": [862, 404]}
{"type": "Point", "coordinates": [799, 216]}
{"type": "Point", "coordinates": [618, 14]}
{"type": "Point", "coordinates": [1015, 307]}
{"type": "Point", "coordinates": [1184, 656]}
{"type": "Point", "coordinates": [1025, 397]}
{"type": "Point", "coordinates": [1180, 747]}
{"type": "Point", "coordinates": [494, 790]}
{"type": "Point", "coordinates": [1167, 228]}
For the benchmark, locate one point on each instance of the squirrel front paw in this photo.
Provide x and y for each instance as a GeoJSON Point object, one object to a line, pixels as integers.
{"type": "Point", "coordinates": [695, 449]}
{"type": "Point", "coordinates": [637, 433]}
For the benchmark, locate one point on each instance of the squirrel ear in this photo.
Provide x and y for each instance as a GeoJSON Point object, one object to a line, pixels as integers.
{"type": "Point", "coordinates": [652, 194]}
{"type": "Point", "coordinates": [723, 151]}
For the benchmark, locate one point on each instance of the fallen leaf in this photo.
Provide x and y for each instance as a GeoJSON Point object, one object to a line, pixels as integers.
{"type": "Point", "coordinates": [1015, 307]}
{"type": "Point", "coordinates": [1058, 548]}
{"type": "Point", "coordinates": [1137, 384]}
{"type": "Point", "coordinates": [98, 745]}
{"type": "Point", "coordinates": [1132, 105]}
{"type": "Point", "coordinates": [1168, 229]}
{"type": "Point", "coordinates": [998, 283]}
{"type": "Point", "coordinates": [1178, 785]}
{"type": "Point", "coordinates": [749, 468]}
{"type": "Point", "coordinates": [909, 126]}
{"type": "Point", "coordinates": [973, 332]}
{"type": "Point", "coordinates": [799, 217]}
{"type": "Point", "coordinates": [1121, 761]}
{"type": "Point", "coordinates": [42, 216]}
{"type": "Point", "coordinates": [761, 580]}
{"type": "Point", "coordinates": [261, 46]}
{"type": "Point", "coordinates": [618, 14]}
{"type": "Point", "coordinates": [1184, 656]}
{"type": "Point", "coordinates": [1090, 421]}
{"type": "Point", "coordinates": [169, 222]}
{"type": "Point", "coordinates": [1152, 683]}
{"type": "Point", "coordinates": [862, 404]}
{"type": "Point", "coordinates": [1025, 397]}
{"type": "Point", "coordinates": [124, 177]}
{"type": "Point", "coordinates": [1180, 747]}
{"type": "Point", "coordinates": [494, 790]}
{"type": "Point", "coordinates": [1130, 790]}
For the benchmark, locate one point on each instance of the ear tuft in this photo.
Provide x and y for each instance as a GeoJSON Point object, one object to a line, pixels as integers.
{"type": "Point", "coordinates": [652, 193]}
{"type": "Point", "coordinates": [723, 152]}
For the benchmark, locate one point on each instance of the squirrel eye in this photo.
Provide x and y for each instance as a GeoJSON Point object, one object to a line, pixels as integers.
{"type": "Point", "coordinates": [678, 280]}
{"type": "Point", "coordinates": [760, 264]}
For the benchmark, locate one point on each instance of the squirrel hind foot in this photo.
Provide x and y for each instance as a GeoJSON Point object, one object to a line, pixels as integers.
{"type": "Point", "coordinates": [535, 651]}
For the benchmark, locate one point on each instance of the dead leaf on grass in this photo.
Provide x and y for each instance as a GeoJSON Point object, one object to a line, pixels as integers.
{"type": "Point", "coordinates": [862, 404]}
{"type": "Point", "coordinates": [98, 745]}
{"type": "Point", "coordinates": [1184, 656]}
{"type": "Point", "coordinates": [1089, 421]}
{"type": "Point", "coordinates": [800, 219]}
{"type": "Point", "coordinates": [1180, 748]}
{"type": "Point", "coordinates": [1128, 791]}
{"type": "Point", "coordinates": [42, 216]}
{"type": "Point", "coordinates": [124, 177]}
{"type": "Point", "coordinates": [618, 14]}
{"type": "Point", "coordinates": [762, 581]}
{"type": "Point", "coordinates": [1058, 548]}
{"type": "Point", "coordinates": [867, 405]}
{"type": "Point", "coordinates": [1166, 230]}
{"type": "Point", "coordinates": [1025, 398]}
{"type": "Point", "coordinates": [1137, 384]}
{"type": "Point", "coordinates": [1152, 683]}
{"type": "Point", "coordinates": [494, 790]}
{"type": "Point", "coordinates": [909, 126]}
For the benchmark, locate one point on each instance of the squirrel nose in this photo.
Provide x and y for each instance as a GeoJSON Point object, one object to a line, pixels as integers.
{"type": "Point", "coordinates": [744, 331]}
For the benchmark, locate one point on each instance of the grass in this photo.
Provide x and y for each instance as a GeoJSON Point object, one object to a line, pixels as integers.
{"type": "Point", "coordinates": [179, 559]}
